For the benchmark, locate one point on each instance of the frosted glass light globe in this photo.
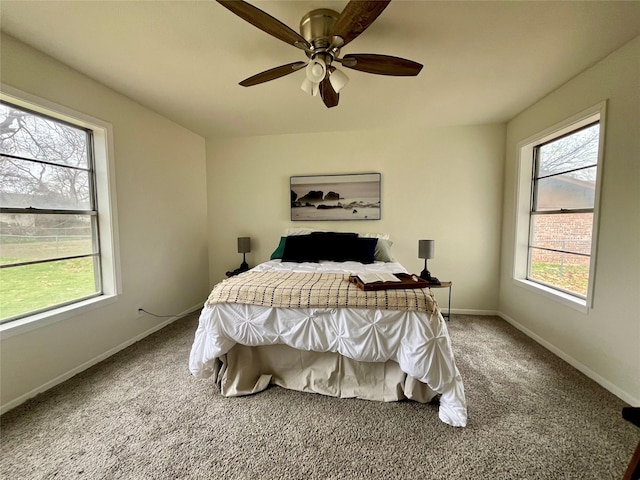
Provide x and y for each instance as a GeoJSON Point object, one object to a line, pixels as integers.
{"type": "Point", "coordinates": [317, 70]}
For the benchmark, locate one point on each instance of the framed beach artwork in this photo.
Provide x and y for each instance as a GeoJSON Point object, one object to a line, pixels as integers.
{"type": "Point", "coordinates": [336, 197]}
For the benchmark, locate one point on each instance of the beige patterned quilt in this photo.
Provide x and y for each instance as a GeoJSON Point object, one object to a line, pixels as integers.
{"type": "Point", "coordinates": [315, 290]}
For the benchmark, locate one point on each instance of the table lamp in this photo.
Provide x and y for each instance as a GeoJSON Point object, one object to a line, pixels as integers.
{"type": "Point", "coordinates": [426, 250]}
{"type": "Point", "coordinates": [244, 246]}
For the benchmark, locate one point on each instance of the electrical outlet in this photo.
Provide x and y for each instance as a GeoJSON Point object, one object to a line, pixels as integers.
{"type": "Point", "coordinates": [139, 312]}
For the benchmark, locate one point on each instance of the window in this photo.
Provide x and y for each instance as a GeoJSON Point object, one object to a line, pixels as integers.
{"type": "Point", "coordinates": [53, 252]}
{"type": "Point", "coordinates": [556, 231]}
{"type": "Point", "coordinates": [564, 186]}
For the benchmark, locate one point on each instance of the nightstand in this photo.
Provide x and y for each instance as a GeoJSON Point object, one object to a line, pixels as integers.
{"type": "Point", "coordinates": [445, 285]}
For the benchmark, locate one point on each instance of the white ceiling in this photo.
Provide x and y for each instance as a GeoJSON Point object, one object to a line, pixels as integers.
{"type": "Point", "coordinates": [484, 62]}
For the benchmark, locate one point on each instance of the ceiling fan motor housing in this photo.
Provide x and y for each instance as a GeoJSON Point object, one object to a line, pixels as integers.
{"type": "Point", "coordinates": [316, 27]}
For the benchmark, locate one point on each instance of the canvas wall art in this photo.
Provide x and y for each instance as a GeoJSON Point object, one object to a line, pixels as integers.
{"type": "Point", "coordinates": [335, 197]}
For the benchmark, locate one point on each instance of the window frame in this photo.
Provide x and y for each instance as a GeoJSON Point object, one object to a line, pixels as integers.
{"type": "Point", "coordinates": [535, 210]}
{"type": "Point", "coordinates": [524, 206]}
{"type": "Point", "coordinates": [104, 203]}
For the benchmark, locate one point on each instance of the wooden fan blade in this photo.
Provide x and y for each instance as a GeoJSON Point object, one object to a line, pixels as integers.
{"type": "Point", "coordinates": [382, 64]}
{"type": "Point", "coordinates": [356, 18]}
{"type": "Point", "coordinates": [329, 96]}
{"type": "Point", "coordinates": [272, 74]}
{"type": "Point", "coordinates": [263, 21]}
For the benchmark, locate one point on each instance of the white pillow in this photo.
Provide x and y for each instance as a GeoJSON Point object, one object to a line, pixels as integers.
{"type": "Point", "coordinates": [292, 232]}
{"type": "Point", "coordinates": [384, 236]}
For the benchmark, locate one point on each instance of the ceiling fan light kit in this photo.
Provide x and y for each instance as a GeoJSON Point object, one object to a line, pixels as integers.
{"type": "Point", "coordinates": [316, 69]}
{"type": "Point", "coordinates": [310, 88]}
{"type": "Point", "coordinates": [338, 80]}
{"type": "Point", "coordinates": [324, 33]}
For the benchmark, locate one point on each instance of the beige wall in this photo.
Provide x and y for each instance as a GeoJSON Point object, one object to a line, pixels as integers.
{"type": "Point", "coordinates": [605, 342]}
{"type": "Point", "coordinates": [161, 198]}
{"type": "Point", "coordinates": [443, 184]}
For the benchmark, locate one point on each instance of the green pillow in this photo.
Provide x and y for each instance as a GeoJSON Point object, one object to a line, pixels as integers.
{"type": "Point", "coordinates": [279, 251]}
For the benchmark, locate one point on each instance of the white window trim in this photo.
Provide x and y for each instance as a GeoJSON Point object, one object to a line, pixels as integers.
{"type": "Point", "coordinates": [523, 204]}
{"type": "Point", "coordinates": [107, 211]}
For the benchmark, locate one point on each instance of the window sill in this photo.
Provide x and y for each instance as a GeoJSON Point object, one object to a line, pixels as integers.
{"type": "Point", "coordinates": [33, 322]}
{"type": "Point", "coordinates": [564, 298]}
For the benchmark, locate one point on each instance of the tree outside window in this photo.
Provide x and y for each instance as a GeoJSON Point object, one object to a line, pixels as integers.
{"type": "Point", "coordinates": [49, 249]}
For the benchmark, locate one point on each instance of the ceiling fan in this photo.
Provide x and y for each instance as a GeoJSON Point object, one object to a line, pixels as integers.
{"type": "Point", "coordinates": [323, 33]}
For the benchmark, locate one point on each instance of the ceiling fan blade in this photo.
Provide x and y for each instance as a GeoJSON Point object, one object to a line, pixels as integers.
{"type": "Point", "coordinates": [356, 18]}
{"type": "Point", "coordinates": [329, 96]}
{"type": "Point", "coordinates": [264, 21]}
{"type": "Point", "coordinates": [382, 64]}
{"type": "Point", "coordinates": [272, 74]}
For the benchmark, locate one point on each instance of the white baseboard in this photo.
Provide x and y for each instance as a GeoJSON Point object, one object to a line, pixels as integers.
{"type": "Point", "coordinates": [65, 376]}
{"type": "Point", "coordinates": [617, 391]}
{"type": "Point", "coordinates": [462, 311]}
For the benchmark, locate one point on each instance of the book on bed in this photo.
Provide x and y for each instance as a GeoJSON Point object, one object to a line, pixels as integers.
{"type": "Point", "coordinates": [374, 277]}
{"type": "Point", "coordinates": [401, 280]}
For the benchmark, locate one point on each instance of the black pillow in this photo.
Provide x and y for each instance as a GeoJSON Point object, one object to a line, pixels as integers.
{"type": "Point", "coordinates": [300, 248]}
{"type": "Point", "coordinates": [365, 250]}
{"type": "Point", "coordinates": [335, 246]}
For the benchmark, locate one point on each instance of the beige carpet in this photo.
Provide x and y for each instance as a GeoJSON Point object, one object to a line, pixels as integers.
{"type": "Point", "coordinates": [141, 415]}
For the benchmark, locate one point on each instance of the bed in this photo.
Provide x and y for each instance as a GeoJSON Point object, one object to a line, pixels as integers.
{"type": "Point", "coordinates": [298, 322]}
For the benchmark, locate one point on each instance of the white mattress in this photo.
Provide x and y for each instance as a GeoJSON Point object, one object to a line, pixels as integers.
{"type": "Point", "coordinates": [418, 342]}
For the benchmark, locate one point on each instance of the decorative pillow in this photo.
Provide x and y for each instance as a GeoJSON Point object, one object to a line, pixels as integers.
{"type": "Point", "coordinates": [383, 251]}
{"type": "Point", "coordinates": [364, 251]}
{"type": "Point", "coordinates": [335, 246]}
{"type": "Point", "coordinates": [300, 248]}
{"type": "Point", "coordinates": [279, 251]}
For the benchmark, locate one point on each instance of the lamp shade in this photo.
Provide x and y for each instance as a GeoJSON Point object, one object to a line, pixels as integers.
{"type": "Point", "coordinates": [338, 80]}
{"type": "Point", "coordinates": [426, 248]}
{"type": "Point", "coordinates": [244, 244]}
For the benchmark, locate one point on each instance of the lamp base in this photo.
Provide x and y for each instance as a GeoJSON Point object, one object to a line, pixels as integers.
{"type": "Point", "coordinates": [425, 275]}
{"type": "Point", "coordinates": [244, 266]}
{"type": "Point", "coordinates": [241, 269]}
